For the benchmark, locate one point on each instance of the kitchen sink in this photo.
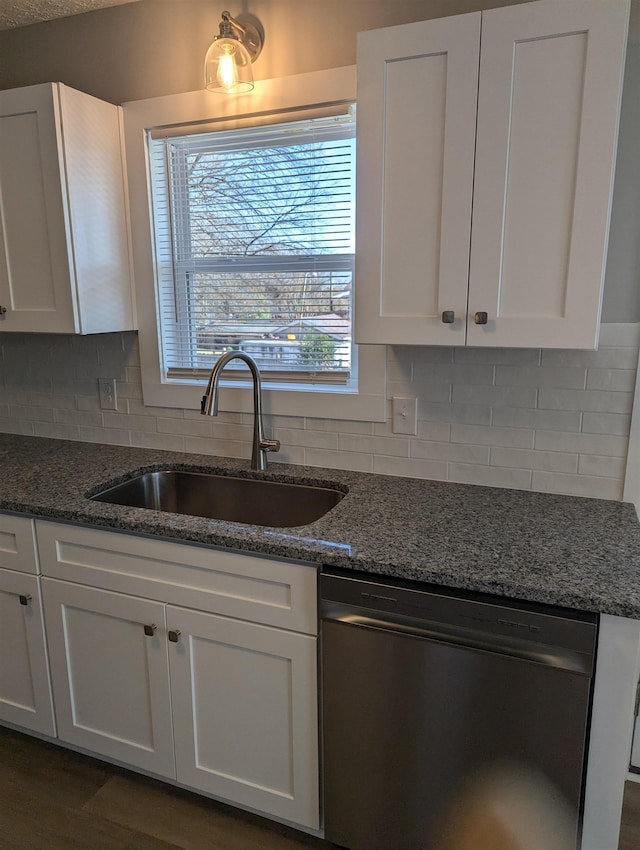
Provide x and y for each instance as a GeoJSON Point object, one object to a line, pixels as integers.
{"type": "Point", "coordinates": [249, 500]}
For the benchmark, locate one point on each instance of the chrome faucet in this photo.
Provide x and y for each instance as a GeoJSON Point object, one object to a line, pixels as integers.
{"type": "Point", "coordinates": [209, 406]}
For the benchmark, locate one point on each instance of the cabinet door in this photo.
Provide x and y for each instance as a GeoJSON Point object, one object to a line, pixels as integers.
{"type": "Point", "coordinates": [417, 92]}
{"type": "Point", "coordinates": [245, 713]}
{"type": "Point", "coordinates": [25, 690]}
{"type": "Point", "coordinates": [35, 271]}
{"type": "Point", "coordinates": [110, 679]}
{"type": "Point", "coordinates": [548, 105]}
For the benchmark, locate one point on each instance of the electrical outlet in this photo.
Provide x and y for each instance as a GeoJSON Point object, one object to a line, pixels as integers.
{"type": "Point", "coordinates": [107, 387]}
{"type": "Point", "coordinates": [405, 415]}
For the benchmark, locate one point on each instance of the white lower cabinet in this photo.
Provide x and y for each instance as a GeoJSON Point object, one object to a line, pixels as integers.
{"type": "Point", "coordinates": [206, 698]}
{"type": "Point", "coordinates": [25, 691]}
{"type": "Point", "coordinates": [244, 711]}
{"type": "Point", "coordinates": [110, 680]}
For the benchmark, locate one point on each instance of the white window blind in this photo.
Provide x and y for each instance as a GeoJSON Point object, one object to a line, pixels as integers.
{"type": "Point", "coordinates": [254, 234]}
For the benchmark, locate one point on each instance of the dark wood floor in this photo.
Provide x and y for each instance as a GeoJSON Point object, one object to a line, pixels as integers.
{"type": "Point", "coordinates": [55, 799]}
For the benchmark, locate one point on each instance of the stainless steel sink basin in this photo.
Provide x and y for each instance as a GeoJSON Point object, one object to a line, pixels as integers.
{"type": "Point", "coordinates": [249, 500]}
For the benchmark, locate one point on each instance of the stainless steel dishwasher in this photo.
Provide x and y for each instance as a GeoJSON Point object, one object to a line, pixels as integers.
{"type": "Point", "coordinates": [424, 690]}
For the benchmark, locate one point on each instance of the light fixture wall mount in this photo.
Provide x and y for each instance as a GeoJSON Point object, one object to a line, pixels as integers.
{"type": "Point", "coordinates": [227, 65]}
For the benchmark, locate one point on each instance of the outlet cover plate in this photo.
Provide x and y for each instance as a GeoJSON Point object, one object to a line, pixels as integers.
{"type": "Point", "coordinates": [405, 415]}
{"type": "Point", "coordinates": [107, 389]}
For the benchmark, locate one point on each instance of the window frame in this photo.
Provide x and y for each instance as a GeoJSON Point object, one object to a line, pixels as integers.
{"type": "Point", "coordinates": [312, 90]}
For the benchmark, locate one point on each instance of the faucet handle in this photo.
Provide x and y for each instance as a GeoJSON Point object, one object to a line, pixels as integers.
{"type": "Point", "coordinates": [270, 445]}
{"type": "Point", "coordinates": [203, 404]}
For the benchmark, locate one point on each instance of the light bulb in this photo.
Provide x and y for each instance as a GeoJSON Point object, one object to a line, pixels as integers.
{"type": "Point", "coordinates": [227, 69]}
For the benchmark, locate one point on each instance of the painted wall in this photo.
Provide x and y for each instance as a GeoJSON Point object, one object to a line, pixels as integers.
{"type": "Point", "coordinates": [157, 47]}
{"type": "Point", "coordinates": [556, 421]}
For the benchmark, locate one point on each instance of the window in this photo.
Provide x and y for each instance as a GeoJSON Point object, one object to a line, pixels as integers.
{"type": "Point", "coordinates": [255, 241]}
{"type": "Point", "coordinates": [189, 282]}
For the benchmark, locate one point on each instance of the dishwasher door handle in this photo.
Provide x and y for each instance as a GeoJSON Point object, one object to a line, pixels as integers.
{"type": "Point", "coordinates": [511, 647]}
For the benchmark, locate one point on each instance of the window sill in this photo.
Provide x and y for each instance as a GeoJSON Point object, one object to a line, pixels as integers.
{"type": "Point", "coordinates": [368, 404]}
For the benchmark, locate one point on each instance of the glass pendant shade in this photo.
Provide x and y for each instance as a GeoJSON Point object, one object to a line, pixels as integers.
{"type": "Point", "coordinates": [227, 67]}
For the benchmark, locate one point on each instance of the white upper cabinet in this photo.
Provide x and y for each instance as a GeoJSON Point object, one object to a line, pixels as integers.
{"type": "Point", "coordinates": [486, 152]}
{"type": "Point", "coordinates": [64, 239]}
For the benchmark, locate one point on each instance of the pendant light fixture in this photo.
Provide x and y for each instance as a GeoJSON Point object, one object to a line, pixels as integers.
{"type": "Point", "coordinates": [227, 65]}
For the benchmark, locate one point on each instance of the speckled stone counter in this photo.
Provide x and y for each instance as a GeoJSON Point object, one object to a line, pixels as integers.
{"type": "Point", "coordinates": [563, 550]}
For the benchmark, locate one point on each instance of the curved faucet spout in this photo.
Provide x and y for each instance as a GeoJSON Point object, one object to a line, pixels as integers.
{"type": "Point", "coordinates": [209, 406]}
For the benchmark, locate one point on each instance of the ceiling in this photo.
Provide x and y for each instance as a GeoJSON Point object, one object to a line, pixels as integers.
{"type": "Point", "coordinates": [20, 13]}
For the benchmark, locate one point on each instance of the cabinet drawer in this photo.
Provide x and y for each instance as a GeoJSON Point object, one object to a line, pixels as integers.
{"type": "Point", "coordinates": [247, 587]}
{"type": "Point", "coordinates": [17, 544]}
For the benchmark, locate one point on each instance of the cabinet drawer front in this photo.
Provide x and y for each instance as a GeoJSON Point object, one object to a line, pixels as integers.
{"type": "Point", "coordinates": [17, 544]}
{"type": "Point", "coordinates": [246, 587]}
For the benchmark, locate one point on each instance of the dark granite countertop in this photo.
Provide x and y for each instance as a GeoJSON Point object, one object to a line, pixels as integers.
{"type": "Point", "coordinates": [575, 552]}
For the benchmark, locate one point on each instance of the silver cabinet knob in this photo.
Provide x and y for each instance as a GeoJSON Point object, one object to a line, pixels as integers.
{"type": "Point", "coordinates": [480, 318]}
{"type": "Point", "coordinates": [448, 317]}
{"type": "Point", "coordinates": [3, 310]}
{"type": "Point", "coordinates": [150, 630]}
{"type": "Point", "coordinates": [25, 598]}
{"type": "Point", "coordinates": [174, 635]}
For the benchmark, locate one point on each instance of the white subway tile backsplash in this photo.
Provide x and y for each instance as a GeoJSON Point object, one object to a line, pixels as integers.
{"type": "Point", "coordinates": [488, 436]}
{"type": "Point", "coordinates": [498, 356]}
{"type": "Point", "coordinates": [621, 380]}
{"type": "Point", "coordinates": [577, 485]}
{"type": "Point", "coordinates": [114, 436]}
{"type": "Point", "coordinates": [496, 396]}
{"type": "Point", "coordinates": [606, 423]}
{"type": "Point", "coordinates": [534, 376]}
{"type": "Point", "coordinates": [225, 448]}
{"type": "Point", "coordinates": [126, 390]}
{"type": "Point", "coordinates": [595, 444]}
{"type": "Point", "coordinates": [130, 422]}
{"type": "Point", "coordinates": [468, 414]}
{"type": "Point", "coordinates": [618, 334]}
{"type": "Point", "coordinates": [604, 466]}
{"type": "Point", "coordinates": [199, 428]}
{"type": "Point", "coordinates": [439, 432]}
{"type": "Point", "coordinates": [56, 430]}
{"type": "Point", "coordinates": [137, 408]}
{"type": "Point", "coordinates": [605, 358]}
{"type": "Point", "coordinates": [412, 354]}
{"type": "Point", "coordinates": [16, 426]}
{"type": "Point", "coordinates": [57, 401]}
{"type": "Point", "coordinates": [357, 461]}
{"type": "Point", "coordinates": [490, 476]}
{"type": "Point", "coordinates": [410, 467]}
{"type": "Point", "coordinates": [344, 427]}
{"type": "Point", "coordinates": [449, 452]}
{"type": "Point", "coordinates": [37, 414]}
{"type": "Point", "coordinates": [155, 440]}
{"type": "Point", "coordinates": [290, 454]}
{"type": "Point", "coordinates": [307, 438]}
{"type": "Point", "coordinates": [455, 373]}
{"type": "Point", "coordinates": [557, 421]}
{"type": "Point", "coordinates": [395, 446]}
{"type": "Point", "coordinates": [424, 390]}
{"type": "Point", "coordinates": [549, 420]}
{"type": "Point", "coordinates": [599, 401]}
{"type": "Point", "coordinates": [534, 459]}
{"type": "Point", "coordinates": [78, 417]}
